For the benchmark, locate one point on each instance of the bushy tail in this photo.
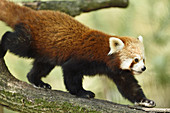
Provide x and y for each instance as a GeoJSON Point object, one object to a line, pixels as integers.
{"type": "Point", "coordinates": [10, 12]}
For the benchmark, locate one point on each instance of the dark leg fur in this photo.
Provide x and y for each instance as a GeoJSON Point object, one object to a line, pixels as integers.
{"type": "Point", "coordinates": [130, 89]}
{"type": "Point", "coordinates": [73, 79]}
{"type": "Point", "coordinates": [3, 48]}
{"type": "Point", "coordinates": [38, 71]}
{"type": "Point", "coordinates": [17, 42]}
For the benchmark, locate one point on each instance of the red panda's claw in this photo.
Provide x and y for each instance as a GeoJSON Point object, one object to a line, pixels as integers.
{"type": "Point", "coordinates": [43, 85]}
{"type": "Point", "coordinates": [85, 94]}
{"type": "Point", "coordinates": [146, 103]}
{"type": "Point", "coordinates": [46, 86]}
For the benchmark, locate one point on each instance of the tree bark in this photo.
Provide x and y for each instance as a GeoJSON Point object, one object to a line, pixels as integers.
{"type": "Point", "coordinates": [23, 97]}
{"type": "Point", "coordinates": [76, 7]}
{"type": "Point", "coordinates": [20, 96]}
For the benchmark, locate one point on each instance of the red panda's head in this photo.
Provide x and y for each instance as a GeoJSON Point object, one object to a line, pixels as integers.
{"type": "Point", "coordinates": [130, 52]}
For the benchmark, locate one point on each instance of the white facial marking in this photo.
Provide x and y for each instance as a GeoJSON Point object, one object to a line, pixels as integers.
{"type": "Point", "coordinates": [140, 38]}
{"type": "Point", "coordinates": [126, 64]}
{"type": "Point", "coordinates": [115, 45]}
{"type": "Point", "coordinates": [137, 67]}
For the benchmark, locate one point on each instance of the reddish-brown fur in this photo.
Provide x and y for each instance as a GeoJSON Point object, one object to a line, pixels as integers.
{"type": "Point", "coordinates": [55, 33]}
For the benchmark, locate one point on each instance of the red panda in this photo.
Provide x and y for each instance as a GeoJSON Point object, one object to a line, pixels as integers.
{"type": "Point", "coordinates": [55, 38]}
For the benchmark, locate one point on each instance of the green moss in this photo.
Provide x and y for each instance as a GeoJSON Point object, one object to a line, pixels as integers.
{"type": "Point", "coordinates": [23, 104]}
{"type": "Point", "coordinates": [61, 107]}
{"type": "Point", "coordinates": [75, 109]}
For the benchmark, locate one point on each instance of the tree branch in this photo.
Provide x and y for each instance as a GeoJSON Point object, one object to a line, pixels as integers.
{"type": "Point", "coordinates": [23, 97]}
{"type": "Point", "coordinates": [76, 7]}
{"type": "Point", "coordinates": [20, 96]}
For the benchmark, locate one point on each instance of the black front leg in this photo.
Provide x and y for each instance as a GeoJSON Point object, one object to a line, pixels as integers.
{"type": "Point", "coordinates": [39, 70]}
{"type": "Point", "coordinates": [72, 72]}
{"type": "Point", "coordinates": [130, 89]}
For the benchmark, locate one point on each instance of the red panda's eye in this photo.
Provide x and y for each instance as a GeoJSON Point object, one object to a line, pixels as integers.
{"type": "Point", "coordinates": [116, 44]}
{"type": "Point", "coordinates": [136, 60]}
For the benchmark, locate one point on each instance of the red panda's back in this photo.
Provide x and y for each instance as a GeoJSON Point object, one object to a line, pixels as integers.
{"type": "Point", "coordinates": [53, 33]}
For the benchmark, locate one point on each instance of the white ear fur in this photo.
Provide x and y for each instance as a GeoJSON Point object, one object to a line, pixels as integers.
{"type": "Point", "coordinates": [115, 45]}
{"type": "Point", "coordinates": [140, 38]}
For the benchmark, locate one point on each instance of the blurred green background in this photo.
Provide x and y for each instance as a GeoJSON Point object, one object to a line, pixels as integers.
{"type": "Point", "coordinates": [149, 18]}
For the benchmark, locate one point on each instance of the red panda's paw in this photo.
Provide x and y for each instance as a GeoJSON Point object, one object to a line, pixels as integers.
{"type": "Point", "coordinates": [43, 85]}
{"type": "Point", "coordinates": [85, 94]}
{"type": "Point", "coordinates": [146, 103]}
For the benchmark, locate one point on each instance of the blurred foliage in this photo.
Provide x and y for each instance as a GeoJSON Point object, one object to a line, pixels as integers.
{"type": "Point", "coordinates": [149, 18]}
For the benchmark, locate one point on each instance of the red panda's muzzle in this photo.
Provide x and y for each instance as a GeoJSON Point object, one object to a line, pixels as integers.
{"type": "Point", "coordinates": [137, 72]}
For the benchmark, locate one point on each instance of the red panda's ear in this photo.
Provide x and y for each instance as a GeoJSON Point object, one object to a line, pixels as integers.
{"type": "Point", "coordinates": [140, 38]}
{"type": "Point", "coordinates": [115, 45]}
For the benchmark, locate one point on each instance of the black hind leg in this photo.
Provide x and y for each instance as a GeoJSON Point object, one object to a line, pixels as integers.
{"type": "Point", "coordinates": [38, 71]}
{"type": "Point", "coordinates": [17, 42]}
{"type": "Point", "coordinates": [4, 44]}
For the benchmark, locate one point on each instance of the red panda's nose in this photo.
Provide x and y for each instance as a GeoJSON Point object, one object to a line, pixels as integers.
{"type": "Point", "coordinates": [144, 68]}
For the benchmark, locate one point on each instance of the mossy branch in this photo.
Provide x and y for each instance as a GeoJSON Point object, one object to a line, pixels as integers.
{"type": "Point", "coordinates": [20, 96]}
{"type": "Point", "coordinates": [76, 7]}
{"type": "Point", "coordinates": [23, 97]}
